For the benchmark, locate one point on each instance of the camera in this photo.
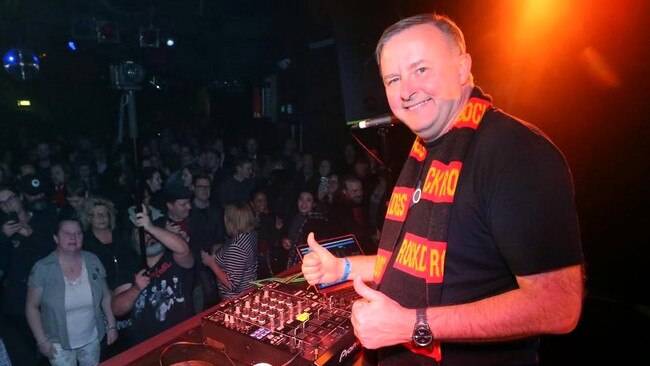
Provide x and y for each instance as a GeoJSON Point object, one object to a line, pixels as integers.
{"type": "Point", "coordinates": [128, 75]}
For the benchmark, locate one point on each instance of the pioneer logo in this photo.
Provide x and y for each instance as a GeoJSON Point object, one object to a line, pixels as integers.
{"type": "Point", "coordinates": [346, 352]}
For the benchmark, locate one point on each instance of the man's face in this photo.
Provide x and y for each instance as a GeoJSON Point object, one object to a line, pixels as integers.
{"type": "Point", "coordinates": [424, 78]}
{"type": "Point", "coordinates": [245, 170]}
{"type": "Point", "coordinates": [251, 146]}
{"type": "Point", "coordinates": [76, 202]}
{"type": "Point", "coordinates": [179, 209]}
{"type": "Point", "coordinates": [57, 174]}
{"type": "Point", "coordinates": [202, 189]}
{"type": "Point", "coordinates": [353, 191]}
{"type": "Point", "coordinates": [10, 201]}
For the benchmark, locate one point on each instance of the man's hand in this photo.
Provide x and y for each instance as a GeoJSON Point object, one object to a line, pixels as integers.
{"type": "Point", "coordinates": [142, 280]}
{"type": "Point", "coordinates": [11, 227]}
{"type": "Point", "coordinates": [321, 266]}
{"type": "Point", "coordinates": [142, 219]}
{"type": "Point", "coordinates": [207, 259]}
{"type": "Point", "coordinates": [374, 318]}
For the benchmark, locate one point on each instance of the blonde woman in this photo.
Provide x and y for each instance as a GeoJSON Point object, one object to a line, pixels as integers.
{"type": "Point", "coordinates": [235, 263]}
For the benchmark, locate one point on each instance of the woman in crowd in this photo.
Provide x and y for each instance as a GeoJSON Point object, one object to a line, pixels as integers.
{"type": "Point", "coordinates": [306, 220]}
{"type": "Point", "coordinates": [235, 263]}
{"type": "Point", "coordinates": [272, 258]}
{"type": "Point", "coordinates": [68, 302]}
{"type": "Point", "coordinates": [107, 241]}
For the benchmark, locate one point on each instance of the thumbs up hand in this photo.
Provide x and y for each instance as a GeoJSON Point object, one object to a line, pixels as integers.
{"type": "Point", "coordinates": [321, 266]}
{"type": "Point", "coordinates": [377, 318]}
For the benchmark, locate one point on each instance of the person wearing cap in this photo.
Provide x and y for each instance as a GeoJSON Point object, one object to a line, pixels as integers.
{"type": "Point", "coordinates": [177, 199]}
{"type": "Point", "coordinates": [151, 308]}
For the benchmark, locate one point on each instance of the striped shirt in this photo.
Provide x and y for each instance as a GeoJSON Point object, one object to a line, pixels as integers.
{"type": "Point", "coordinates": [238, 258]}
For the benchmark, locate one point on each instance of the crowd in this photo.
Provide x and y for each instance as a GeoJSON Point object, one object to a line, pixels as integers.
{"type": "Point", "coordinates": [101, 250]}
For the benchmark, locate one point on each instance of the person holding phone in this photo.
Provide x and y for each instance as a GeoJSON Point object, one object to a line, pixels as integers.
{"type": "Point", "coordinates": [23, 241]}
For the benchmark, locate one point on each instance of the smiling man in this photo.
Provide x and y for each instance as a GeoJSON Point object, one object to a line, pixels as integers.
{"type": "Point", "coordinates": [480, 252]}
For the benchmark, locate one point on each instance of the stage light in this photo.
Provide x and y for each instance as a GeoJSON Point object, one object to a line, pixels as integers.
{"type": "Point", "coordinates": [149, 37]}
{"type": "Point", "coordinates": [72, 46]}
{"type": "Point", "coordinates": [128, 75]}
{"type": "Point", "coordinates": [170, 42]}
{"type": "Point", "coordinates": [21, 64]}
{"type": "Point", "coordinates": [107, 32]}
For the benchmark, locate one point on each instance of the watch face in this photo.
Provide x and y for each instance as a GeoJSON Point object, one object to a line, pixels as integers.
{"type": "Point", "coordinates": [422, 336]}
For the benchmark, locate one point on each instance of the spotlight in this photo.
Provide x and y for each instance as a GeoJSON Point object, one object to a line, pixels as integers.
{"type": "Point", "coordinates": [128, 75]}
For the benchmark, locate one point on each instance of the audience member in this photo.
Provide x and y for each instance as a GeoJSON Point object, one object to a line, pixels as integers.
{"type": "Point", "coordinates": [68, 304]}
{"type": "Point", "coordinates": [235, 263]}
{"type": "Point", "coordinates": [150, 303]}
{"type": "Point", "coordinates": [239, 186]}
{"type": "Point", "coordinates": [306, 221]}
{"type": "Point", "coordinates": [272, 257]}
{"type": "Point", "coordinates": [349, 216]}
{"type": "Point", "coordinates": [206, 232]}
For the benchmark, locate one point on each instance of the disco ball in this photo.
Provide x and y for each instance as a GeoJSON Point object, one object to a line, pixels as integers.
{"type": "Point", "coordinates": [21, 64]}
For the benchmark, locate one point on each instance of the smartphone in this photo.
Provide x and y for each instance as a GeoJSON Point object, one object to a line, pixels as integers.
{"type": "Point", "coordinates": [324, 184]}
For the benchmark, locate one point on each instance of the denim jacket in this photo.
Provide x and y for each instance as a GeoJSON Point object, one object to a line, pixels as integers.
{"type": "Point", "coordinates": [47, 274]}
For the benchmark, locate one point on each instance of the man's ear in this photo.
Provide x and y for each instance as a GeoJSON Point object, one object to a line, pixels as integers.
{"type": "Point", "coordinates": [465, 68]}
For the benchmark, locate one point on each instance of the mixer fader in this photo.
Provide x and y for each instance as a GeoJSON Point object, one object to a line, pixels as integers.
{"type": "Point", "coordinates": [278, 323]}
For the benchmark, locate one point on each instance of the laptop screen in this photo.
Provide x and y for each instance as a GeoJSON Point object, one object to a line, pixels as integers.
{"type": "Point", "coordinates": [342, 246]}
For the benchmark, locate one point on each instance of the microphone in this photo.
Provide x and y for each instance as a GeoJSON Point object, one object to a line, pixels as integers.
{"type": "Point", "coordinates": [380, 121]}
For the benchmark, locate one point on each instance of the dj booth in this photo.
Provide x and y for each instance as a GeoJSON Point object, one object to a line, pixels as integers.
{"type": "Point", "coordinates": [277, 324]}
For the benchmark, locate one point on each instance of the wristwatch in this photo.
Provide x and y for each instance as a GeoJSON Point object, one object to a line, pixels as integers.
{"type": "Point", "coordinates": [422, 335]}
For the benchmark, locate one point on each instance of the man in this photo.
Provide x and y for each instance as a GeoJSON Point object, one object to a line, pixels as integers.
{"type": "Point", "coordinates": [480, 251]}
{"type": "Point", "coordinates": [239, 186]}
{"type": "Point", "coordinates": [349, 216]}
{"type": "Point", "coordinates": [76, 195]}
{"type": "Point", "coordinates": [177, 199]}
{"type": "Point", "coordinates": [206, 228]}
{"type": "Point", "coordinates": [167, 256]}
{"type": "Point", "coordinates": [25, 237]}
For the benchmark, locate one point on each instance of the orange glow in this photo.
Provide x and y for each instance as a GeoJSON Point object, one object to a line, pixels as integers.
{"type": "Point", "coordinates": [598, 68]}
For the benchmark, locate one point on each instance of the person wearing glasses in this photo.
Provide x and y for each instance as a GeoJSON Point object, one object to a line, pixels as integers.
{"type": "Point", "coordinates": [112, 245]}
{"type": "Point", "coordinates": [207, 232]}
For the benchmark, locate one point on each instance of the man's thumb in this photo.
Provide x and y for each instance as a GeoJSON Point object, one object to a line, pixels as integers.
{"type": "Point", "coordinates": [314, 246]}
{"type": "Point", "coordinates": [365, 291]}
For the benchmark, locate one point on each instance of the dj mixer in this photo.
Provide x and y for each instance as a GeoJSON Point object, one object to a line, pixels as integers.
{"type": "Point", "coordinates": [282, 324]}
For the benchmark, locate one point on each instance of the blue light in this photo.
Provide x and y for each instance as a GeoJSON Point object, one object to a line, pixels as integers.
{"type": "Point", "coordinates": [72, 46]}
{"type": "Point", "coordinates": [21, 64]}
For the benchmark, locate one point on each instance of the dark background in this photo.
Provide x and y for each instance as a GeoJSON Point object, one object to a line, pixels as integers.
{"type": "Point", "coordinates": [576, 69]}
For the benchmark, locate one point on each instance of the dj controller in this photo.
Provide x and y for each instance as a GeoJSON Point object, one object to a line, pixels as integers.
{"type": "Point", "coordinates": [282, 324]}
